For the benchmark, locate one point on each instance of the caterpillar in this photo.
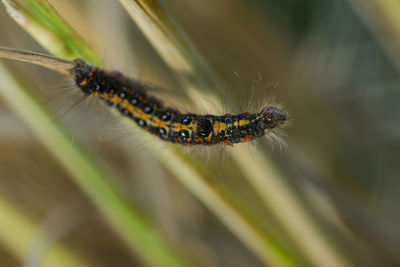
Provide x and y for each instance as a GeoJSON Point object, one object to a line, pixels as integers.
{"type": "Point", "coordinates": [131, 99]}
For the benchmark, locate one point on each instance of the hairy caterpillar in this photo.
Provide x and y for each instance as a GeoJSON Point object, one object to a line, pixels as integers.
{"type": "Point", "coordinates": [131, 99]}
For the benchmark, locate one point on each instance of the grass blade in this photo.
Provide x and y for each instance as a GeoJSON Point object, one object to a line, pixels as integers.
{"type": "Point", "coordinates": [17, 231]}
{"type": "Point", "coordinates": [132, 227]}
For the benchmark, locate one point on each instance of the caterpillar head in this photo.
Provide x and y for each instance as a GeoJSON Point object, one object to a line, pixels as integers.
{"type": "Point", "coordinates": [271, 117]}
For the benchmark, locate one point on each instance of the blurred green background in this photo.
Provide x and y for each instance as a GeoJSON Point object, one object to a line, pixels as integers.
{"type": "Point", "coordinates": [334, 65]}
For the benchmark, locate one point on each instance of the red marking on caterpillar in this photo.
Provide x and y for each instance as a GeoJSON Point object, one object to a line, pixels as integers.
{"type": "Point", "coordinates": [131, 99]}
{"type": "Point", "coordinates": [226, 142]}
{"type": "Point", "coordinates": [247, 138]}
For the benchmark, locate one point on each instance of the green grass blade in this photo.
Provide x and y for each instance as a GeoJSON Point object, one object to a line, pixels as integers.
{"type": "Point", "coordinates": [43, 23]}
{"type": "Point", "coordinates": [132, 227]}
{"type": "Point", "coordinates": [17, 231]}
{"type": "Point", "coordinates": [45, 13]}
{"type": "Point", "coordinates": [283, 203]}
{"type": "Point", "coordinates": [267, 250]}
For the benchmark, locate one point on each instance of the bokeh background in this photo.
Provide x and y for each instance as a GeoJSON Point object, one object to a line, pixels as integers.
{"type": "Point", "coordinates": [334, 65]}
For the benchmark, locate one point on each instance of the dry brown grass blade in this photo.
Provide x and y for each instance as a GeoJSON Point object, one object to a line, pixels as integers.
{"type": "Point", "coordinates": [47, 61]}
